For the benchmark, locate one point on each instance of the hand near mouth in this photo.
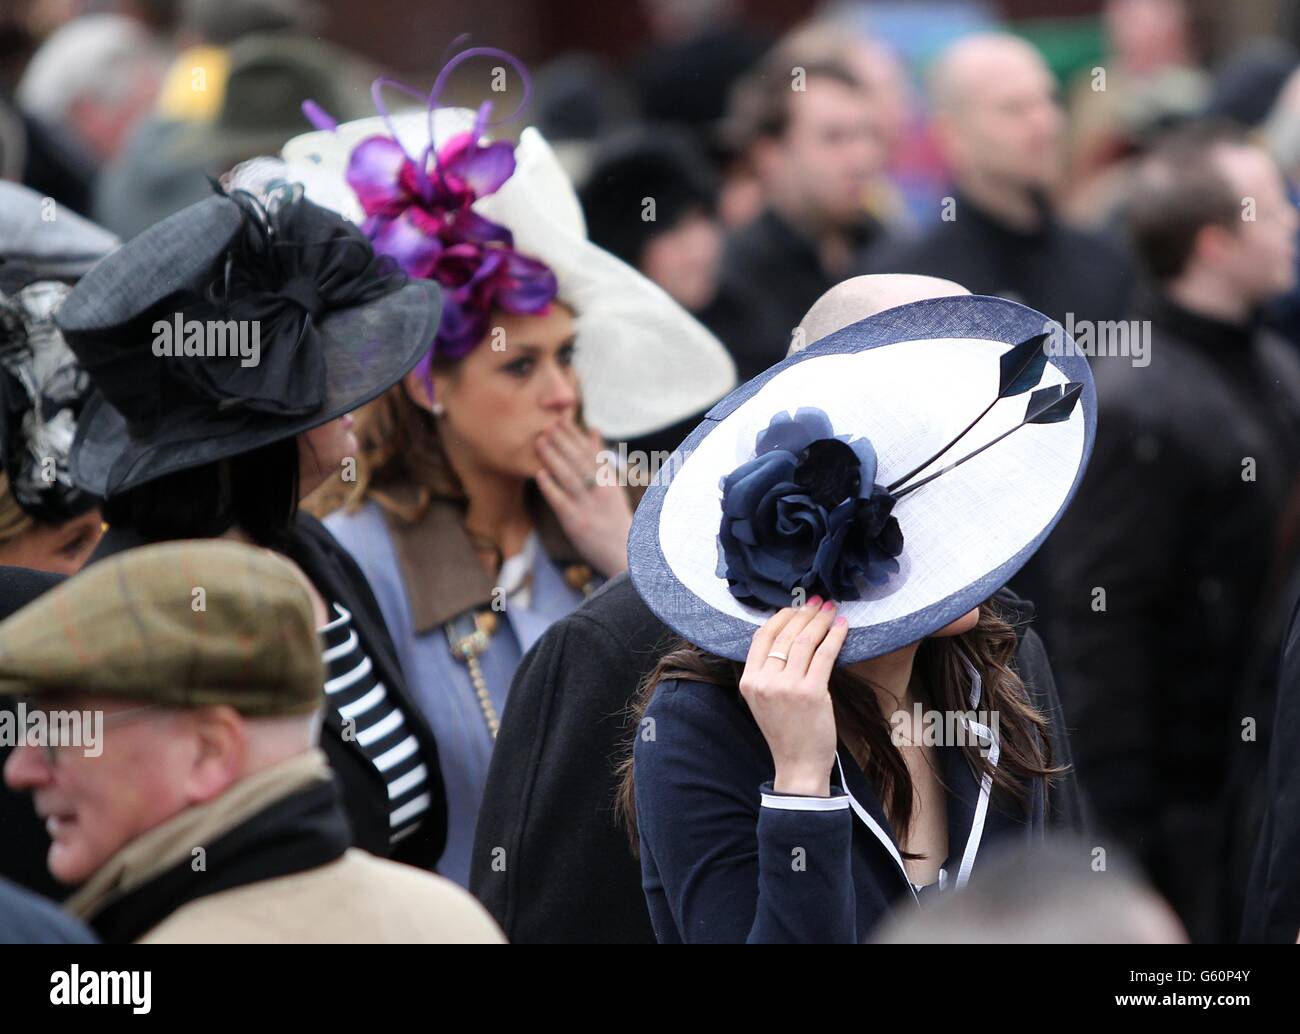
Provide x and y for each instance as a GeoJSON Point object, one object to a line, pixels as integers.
{"type": "Point", "coordinates": [591, 506]}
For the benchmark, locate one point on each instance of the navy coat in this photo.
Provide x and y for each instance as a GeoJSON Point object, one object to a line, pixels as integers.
{"type": "Point", "coordinates": [725, 859]}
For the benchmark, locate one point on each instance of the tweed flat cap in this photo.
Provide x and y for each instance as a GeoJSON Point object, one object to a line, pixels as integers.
{"type": "Point", "coordinates": [186, 624]}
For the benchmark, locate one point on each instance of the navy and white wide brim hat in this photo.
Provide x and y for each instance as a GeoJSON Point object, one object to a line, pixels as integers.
{"type": "Point", "coordinates": [908, 381]}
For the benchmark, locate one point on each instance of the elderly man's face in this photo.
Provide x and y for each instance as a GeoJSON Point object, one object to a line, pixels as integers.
{"type": "Point", "coordinates": [93, 806]}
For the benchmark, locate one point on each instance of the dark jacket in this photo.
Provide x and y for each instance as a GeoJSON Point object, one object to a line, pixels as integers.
{"type": "Point", "coordinates": [1176, 539]}
{"type": "Point", "coordinates": [1272, 909]}
{"type": "Point", "coordinates": [1062, 272]}
{"type": "Point", "coordinates": [365, 796]}
{"type": "Point", "coordinates": [551, 862]}
{"type": "Point", "coordinates": [780, 274]}
{"type": "Point", "coordinates": [26, 918]}
{"type": "Point", "coordinates": [1055, 269]}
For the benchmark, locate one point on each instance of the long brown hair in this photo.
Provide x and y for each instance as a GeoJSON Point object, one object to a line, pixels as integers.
{"type": "Point", "coordinates": [1025, 750]}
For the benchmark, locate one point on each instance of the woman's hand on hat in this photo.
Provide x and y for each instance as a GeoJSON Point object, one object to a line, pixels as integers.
{"type": "Point", "coordinates": [594, 511]}
{"type": "Point", "coordinates": [785, 683]}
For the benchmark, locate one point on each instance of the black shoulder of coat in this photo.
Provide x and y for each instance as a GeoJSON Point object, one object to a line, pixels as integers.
{"type": "Point", "coordinates": [549, 798]}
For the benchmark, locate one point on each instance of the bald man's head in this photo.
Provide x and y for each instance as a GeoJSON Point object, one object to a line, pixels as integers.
{"type": "Point", "coordinates": [996, 114]}
{"type": "Point", "coordinates": [862, 296]}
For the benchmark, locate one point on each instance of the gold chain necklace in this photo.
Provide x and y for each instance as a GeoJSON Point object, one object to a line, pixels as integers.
{"type": "Point", "coordinates": [468, 649]}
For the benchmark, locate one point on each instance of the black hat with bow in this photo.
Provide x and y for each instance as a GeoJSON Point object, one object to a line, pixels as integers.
{"type": "Point", "coordinates": [335, 327]}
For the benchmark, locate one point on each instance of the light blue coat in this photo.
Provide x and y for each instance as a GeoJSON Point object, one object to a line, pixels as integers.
{"type": "Point", "coordinates": [425, 574]}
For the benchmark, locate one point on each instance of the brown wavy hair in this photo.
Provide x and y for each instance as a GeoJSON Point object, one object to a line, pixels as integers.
{"type": "Point", "coordinates": [1025, 749]}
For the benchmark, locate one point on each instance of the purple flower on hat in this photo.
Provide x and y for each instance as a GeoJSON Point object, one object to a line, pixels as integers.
{"type": "Point", "coordinates": [420, 214]}
{"type": "Point", "coordinates": [806, 513]}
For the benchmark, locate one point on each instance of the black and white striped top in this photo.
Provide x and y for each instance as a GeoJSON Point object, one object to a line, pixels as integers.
{"type": "Point", "coordinates": [353, 689]}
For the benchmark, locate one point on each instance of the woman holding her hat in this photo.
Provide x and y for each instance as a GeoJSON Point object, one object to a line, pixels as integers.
{"type": "Point", "coordinates": [481, 512]}
{"type": "Point", "coordinates": [229, 343]}
{"type": "Point", "coordinates": [841, 730]}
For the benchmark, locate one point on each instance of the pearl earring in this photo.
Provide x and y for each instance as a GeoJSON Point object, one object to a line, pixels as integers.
{"type": "Point", "coordinates": [436, 408]}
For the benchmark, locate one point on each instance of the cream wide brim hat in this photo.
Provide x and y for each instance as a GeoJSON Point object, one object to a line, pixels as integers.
{"type": "Point", "coordinates": [645, 363]}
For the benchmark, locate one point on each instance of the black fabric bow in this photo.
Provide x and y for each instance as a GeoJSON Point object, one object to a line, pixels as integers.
{"type": "Point", "coordinates": [289, 264]}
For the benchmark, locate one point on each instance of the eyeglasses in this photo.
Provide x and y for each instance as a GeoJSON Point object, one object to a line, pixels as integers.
{"type": "Point", "coordinates": [51, 747]}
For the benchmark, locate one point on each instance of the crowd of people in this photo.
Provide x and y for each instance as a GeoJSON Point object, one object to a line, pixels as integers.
{"type": "Point", "coordinates": [563, 513]}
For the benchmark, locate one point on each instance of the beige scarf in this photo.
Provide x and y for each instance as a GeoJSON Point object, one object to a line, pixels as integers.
{"type": "Point", "coordinates": [164, 846]}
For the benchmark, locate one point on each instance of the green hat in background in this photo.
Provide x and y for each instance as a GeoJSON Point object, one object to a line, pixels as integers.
{"type": "Point", "coordinates": [185, 624]}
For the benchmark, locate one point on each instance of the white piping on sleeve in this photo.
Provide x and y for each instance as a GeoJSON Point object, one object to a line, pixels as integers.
{"type": "Point", "coordinates": [784, 802]}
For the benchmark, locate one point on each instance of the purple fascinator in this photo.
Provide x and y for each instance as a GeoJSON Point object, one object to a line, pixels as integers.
{"type": "Point", "coordinates": [419, 211]}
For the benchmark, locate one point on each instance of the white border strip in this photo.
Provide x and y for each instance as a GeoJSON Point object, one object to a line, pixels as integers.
{"type": "Point", "coordinates": [782, 802]}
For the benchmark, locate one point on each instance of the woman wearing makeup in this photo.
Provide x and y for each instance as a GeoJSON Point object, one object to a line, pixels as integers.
{"type": "Point", "coordinates": [485, 506]}
{"type": "Point", "coordinates": [844, 727]}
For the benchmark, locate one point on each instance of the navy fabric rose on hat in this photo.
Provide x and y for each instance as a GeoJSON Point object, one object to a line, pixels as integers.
{"type": "Point", "coordinates": [806, 513]}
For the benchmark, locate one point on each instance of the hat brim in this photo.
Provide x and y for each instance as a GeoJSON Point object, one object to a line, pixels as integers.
{"type": "Point", "coordinates": [908, 379]}
{"type": "Point", "coordinates": [61, 248]}
{"type": "Point", "coordinates": [367, 349]}
{"type": "Point", "coordinates": [643, 361]}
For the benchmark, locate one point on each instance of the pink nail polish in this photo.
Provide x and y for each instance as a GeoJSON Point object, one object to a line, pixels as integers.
{"type": "Point", "coordinates": [813, 602]}
{"type": "Point", "coordinates": [841, 620]}
{"type": "Point", "coordinates": [828, 605]}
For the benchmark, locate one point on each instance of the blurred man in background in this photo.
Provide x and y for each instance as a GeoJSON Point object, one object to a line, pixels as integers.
{"type": "Point", "coordinates": [1000, 128]}
{"type": "Point", "coordinates": [1185, 518]}
{"type": "Point", "coordinates": [234, 91]}
{"type": "Point", "coordinates": [808, 134]}
{"type": "Point", "coordinates": [96, 77]}
{"type": "Point", "coordinates": [1148, 79]}
{"type": "Point", "coordinates": [77, 99]}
